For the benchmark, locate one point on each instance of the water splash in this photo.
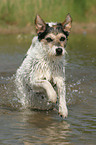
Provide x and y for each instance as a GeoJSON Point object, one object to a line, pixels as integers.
{"type": "Point", "coordinates": [8, 98]}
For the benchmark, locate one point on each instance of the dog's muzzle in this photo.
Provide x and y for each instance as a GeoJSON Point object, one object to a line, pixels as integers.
{"type": "Point", "coordinates": [59, 51]}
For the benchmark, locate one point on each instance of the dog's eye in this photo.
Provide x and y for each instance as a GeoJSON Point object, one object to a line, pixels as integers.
{"type": "Point", "coordinates": [49, 39]}
{"type": "Point", "coordinates": [62, 38]}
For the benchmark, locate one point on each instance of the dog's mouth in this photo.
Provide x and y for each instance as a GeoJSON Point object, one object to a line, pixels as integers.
{"type": "Point", "coordinates": [55, 51]}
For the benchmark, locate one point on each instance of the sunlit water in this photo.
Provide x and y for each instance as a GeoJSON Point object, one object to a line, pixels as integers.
{"type": "Point", "coordinates": [28, 127]}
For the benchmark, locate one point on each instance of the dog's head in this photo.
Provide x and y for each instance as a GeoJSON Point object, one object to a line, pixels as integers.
{"type": "Point", "coordinates": [54, 35]}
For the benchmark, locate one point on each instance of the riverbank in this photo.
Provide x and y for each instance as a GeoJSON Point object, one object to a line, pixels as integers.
{"type": "Point", "coordinates": [76, 28]}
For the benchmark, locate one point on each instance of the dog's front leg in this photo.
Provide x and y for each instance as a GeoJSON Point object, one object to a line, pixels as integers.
{"type": "Point", "coordinates": [61, 93]}
{"type": "Point", "coordinates": [46, 85]}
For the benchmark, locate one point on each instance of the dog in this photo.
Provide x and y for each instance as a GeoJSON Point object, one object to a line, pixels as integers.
{"type": "Point", "coordinates": [41, 77]}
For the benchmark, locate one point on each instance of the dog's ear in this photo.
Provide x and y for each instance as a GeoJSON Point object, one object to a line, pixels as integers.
{"type": "Point", "coordinates": [67, 24]}
{"type": "Point", "coordinates": [39, 24]}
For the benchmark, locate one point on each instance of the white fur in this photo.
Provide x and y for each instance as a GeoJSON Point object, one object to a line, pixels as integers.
{"type": "Point", "coordinates": [33, 79]}
{"type": "Point", "coordinates": [52, 24]}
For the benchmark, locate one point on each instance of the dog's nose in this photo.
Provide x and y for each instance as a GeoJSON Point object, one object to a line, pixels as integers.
{"type": "Point", "coordinates": [59, 51]}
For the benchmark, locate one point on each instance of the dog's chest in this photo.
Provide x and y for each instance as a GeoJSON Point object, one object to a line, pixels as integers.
{"type": "Point", "coordinates": [44, 72]}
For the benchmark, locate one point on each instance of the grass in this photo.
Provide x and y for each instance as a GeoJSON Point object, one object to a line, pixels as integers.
{"type": "Point", "coordinates": [23, 12]}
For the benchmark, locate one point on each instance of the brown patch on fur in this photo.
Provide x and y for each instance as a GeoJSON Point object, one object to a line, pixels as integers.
{"type": "Point", "coordinates": [43, 29]}
{"type": "Point", "coordinates": [67, 24]}
{"type": "Point", "coordinates": [56, 39]}
{"type": "Point", "coordinates": [39, 24]}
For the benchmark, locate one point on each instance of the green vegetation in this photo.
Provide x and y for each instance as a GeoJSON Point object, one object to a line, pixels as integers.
{"type": "Point", "coordinates": [23, 12]}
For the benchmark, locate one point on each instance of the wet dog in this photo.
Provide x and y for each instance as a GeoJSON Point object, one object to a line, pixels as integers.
{"type": "Point", "coordinates": [42, 73]}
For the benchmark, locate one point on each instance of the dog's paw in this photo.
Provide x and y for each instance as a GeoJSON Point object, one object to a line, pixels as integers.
{"type": "Point", "coordinates": [53, 97]}
{"type": "Point", "coordinates": [51, 93]}
{"type": "Point", "coordinates": [63, 111]}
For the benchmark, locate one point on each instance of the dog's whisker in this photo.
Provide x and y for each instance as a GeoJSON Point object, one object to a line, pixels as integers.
{"type": "Point", "coordinates": [66, 52]}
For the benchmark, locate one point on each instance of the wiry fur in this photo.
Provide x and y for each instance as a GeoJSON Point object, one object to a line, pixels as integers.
{"type": "Point", "coordinates": [40, 79]}
{"type": "Point", "coordinates": [37, 66]}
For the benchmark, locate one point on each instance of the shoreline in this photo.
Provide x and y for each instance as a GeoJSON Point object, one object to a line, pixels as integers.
{"type": "Point", "coordinates": [78, 28]}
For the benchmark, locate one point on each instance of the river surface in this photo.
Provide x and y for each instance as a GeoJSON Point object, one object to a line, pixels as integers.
{"type": "Point", "coordinates": [28, 127]}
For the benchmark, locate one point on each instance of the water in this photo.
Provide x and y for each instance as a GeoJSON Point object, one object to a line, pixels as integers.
{"type": "Point", "coordinates": [27, 127]}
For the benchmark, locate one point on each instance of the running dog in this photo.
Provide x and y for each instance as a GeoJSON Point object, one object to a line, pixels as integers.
{"type": "Point", "coordinates": [41, 76]}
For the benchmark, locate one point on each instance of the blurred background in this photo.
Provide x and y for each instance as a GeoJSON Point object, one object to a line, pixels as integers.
{"type": "Point", "coordinates": [21, 14]}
